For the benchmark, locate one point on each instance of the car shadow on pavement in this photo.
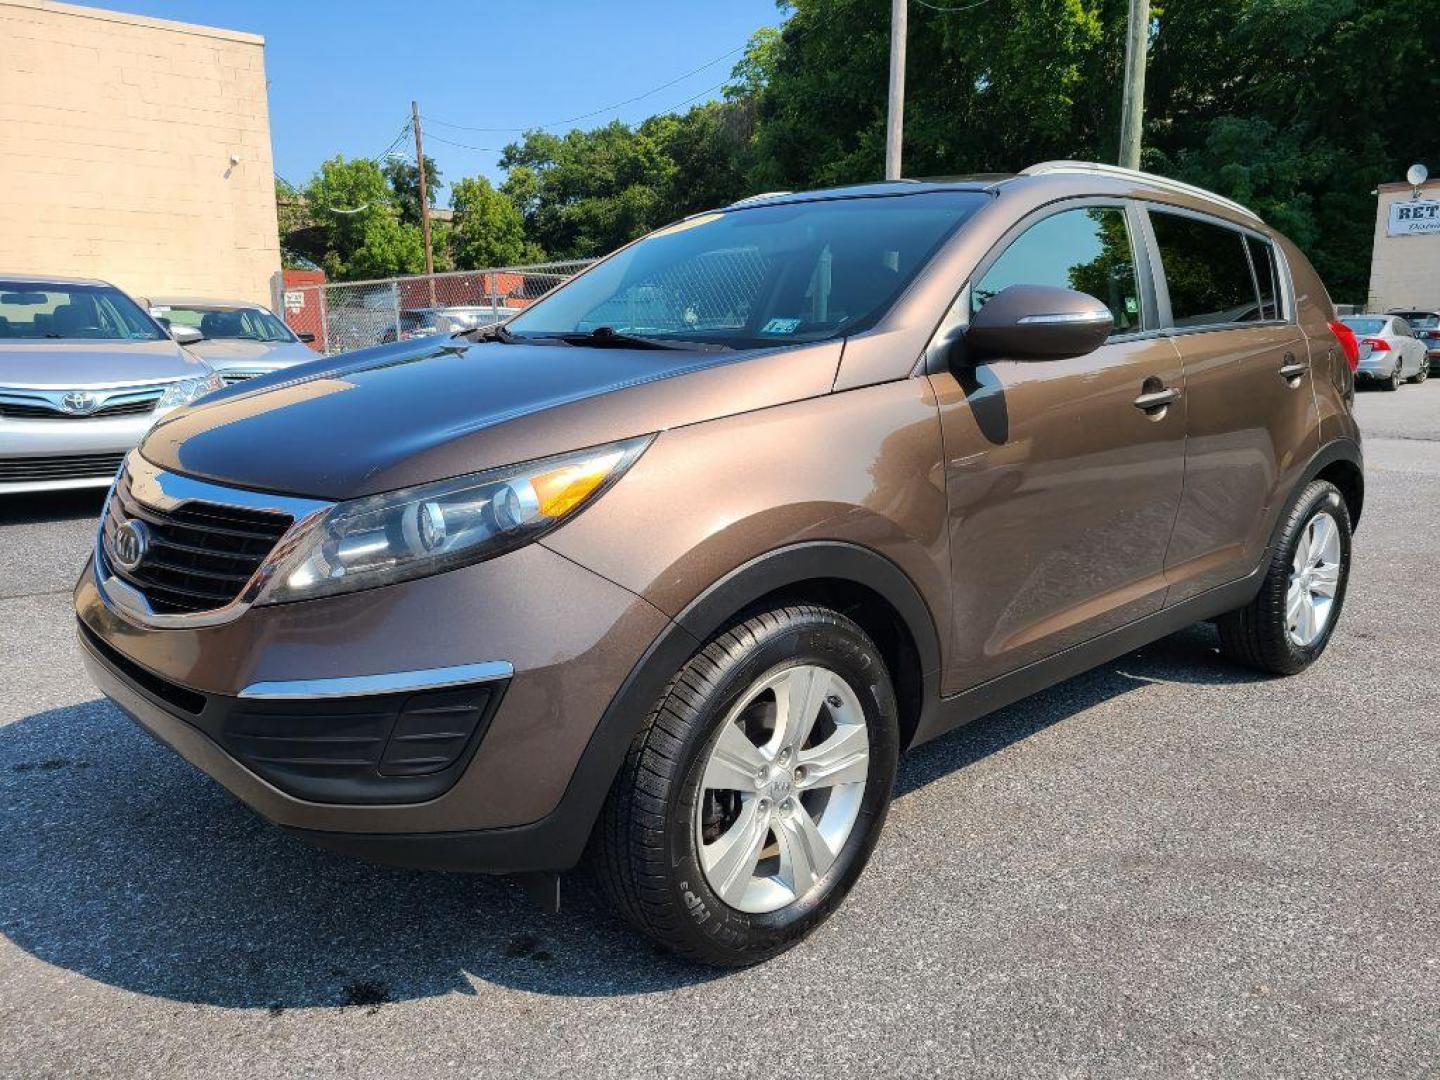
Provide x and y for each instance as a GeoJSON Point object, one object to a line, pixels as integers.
{"type": "Point", "coordinates": [1190, 656]}
{"type": "Point", "coordinates": [121, 862]}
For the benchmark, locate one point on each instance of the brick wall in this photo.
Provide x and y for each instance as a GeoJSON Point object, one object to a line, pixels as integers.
{"type": "Point", "coordinates": [116, 133]}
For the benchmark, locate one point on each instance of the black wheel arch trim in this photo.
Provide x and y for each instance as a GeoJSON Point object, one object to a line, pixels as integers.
{"type": "Point", "coordinates": [558, 840]}
{"type": "Point", "coordinates": [1342, 449]}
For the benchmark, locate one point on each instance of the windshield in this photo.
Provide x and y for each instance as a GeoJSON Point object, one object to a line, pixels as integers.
{"type": "Point", "coordinates": [37, 310]}
{"type": "Point", "coordinates": [761, 275]}
{"type": "Point", "coordinates": [226, 323]}
{"type": "Point", "coordinates": [1365, 326]}
{"type": "Point", "coordinates": [1420, 320]}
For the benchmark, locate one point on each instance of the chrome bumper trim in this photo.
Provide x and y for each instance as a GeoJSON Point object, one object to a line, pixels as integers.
{"type": "Point", "coordinates": [395, 682]}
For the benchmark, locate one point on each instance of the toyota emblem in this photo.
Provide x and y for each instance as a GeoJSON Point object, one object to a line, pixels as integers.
{"type": "Point", "coordinates": [132, 541]}
{"type": "Point", "coordinates": [78, 402]}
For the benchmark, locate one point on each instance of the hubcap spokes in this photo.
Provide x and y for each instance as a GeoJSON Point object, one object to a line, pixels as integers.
{"type": "Point", "coordinates": [782, 788]}
{"type": "Point", "coordinates": [1314, 580]}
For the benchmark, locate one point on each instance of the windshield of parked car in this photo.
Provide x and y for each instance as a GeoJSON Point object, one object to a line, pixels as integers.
{"type": "Point", "coordinates": [48, 311]}
{"type": "Point", "coordinates": [226, 323]}
{"type": "Point", "coordinates": [762, 275]}
{"type": "Point", "coordinates": [1365, 326]}
{"type": "Point", "coordinates": [1420, 320]}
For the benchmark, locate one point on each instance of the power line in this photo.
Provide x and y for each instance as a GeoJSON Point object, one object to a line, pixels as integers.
{"type": "Point", "coordinates": [600, 112]}
{"type": "Point", "coordinates": [463, 146]}
{"type": "Point", "coordinates": [951, 10]}
{"type": "Point", "coordinates": [500, 150]}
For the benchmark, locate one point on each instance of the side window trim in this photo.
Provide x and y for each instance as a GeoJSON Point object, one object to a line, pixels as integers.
{"type": "Point", "coordinates": [1284, 303]}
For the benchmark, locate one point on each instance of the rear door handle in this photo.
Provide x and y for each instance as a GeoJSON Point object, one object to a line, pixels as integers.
{"type": "Point", "coordinates": [1291, 368]}
{"type": "Point", "coordinates": [1158, 399]}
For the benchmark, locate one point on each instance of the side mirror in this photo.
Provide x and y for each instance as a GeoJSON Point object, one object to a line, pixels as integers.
{"type": "Point", "coordinates": [186, 335]}
{"type": "Point", "coordinates": [1037, 322]}
{"type": "Point", "coordinates": [306, 337]}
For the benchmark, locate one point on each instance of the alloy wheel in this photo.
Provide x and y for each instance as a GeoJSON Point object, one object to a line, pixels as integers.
{"type": "Point", "coordinates": [1314, 580]}
{"type": "Point", "coordinates": [782, 787]}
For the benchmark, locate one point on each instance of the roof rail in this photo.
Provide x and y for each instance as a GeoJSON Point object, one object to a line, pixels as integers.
{"type": "Point", "coordinates": [757, 198]}
{"type": "Point", "coordinates": [1140, 177]}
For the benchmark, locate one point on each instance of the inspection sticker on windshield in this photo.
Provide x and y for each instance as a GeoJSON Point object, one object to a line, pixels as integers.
{"type": "Point", "coordinates": [780, 326]}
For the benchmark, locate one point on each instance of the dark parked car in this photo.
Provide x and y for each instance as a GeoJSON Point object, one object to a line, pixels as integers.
{"type": "Point", "coordinates": [672, 566]}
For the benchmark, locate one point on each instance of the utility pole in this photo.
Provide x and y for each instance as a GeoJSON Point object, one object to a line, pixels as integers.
{"type": "Point", "coordinates": [424, 199]}
{"type": "Point", "coordinates": [1132, 116]}
{"type": "Point", "coordinates": [895, 121]}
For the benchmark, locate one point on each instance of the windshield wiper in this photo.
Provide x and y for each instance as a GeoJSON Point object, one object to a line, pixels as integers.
{"type": "Point", "coordinates": [489, 333]}
{"type": "Point", "coordinates": [607, 337]}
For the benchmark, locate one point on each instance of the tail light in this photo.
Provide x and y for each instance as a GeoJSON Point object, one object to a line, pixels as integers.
{"type": "Point", "coordinates": [1377, 344]}
{"type": "Point", "coordinates": [1349, 344]}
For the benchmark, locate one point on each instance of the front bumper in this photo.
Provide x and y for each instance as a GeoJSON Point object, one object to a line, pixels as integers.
{"type": "Point", "coordinates": [59, 455]}
{"type": "Point", "coordinates": [570, 639]}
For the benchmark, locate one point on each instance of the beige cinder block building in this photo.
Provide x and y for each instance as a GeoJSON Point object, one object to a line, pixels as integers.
{"type": "Point", "coordinates": [135, 150]}
{"type": "Point", "coordinates": [1405, 261]}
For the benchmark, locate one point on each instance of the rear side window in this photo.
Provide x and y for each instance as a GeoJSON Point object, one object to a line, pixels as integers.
{"type": "Point", "coordinates": [1088, 250]}
{"type": "Point", "coordinates": [1207, 271]}
{"type": "Point", "coordinates": [1262, 261]}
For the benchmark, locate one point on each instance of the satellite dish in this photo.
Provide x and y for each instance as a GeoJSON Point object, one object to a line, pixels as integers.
{"type": "Point", "coordinates": [1416, 175]}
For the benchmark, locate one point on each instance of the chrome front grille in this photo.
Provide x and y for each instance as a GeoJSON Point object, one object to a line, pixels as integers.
{"type": "Point", "coordinates": [200, 554]}
{"type": "Point", "coordinates": [78, 404]}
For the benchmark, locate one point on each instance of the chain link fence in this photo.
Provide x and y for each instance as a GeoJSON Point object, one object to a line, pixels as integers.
{"type": "Point", "coordinates": [357, 314]}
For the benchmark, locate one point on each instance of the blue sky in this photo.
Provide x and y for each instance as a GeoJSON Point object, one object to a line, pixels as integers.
{"type": "Point", "coordinates": [342, 75]}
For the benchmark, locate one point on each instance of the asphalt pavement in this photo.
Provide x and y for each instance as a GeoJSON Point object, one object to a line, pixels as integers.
{"type": "Point", "coordinates": [1166, 867]}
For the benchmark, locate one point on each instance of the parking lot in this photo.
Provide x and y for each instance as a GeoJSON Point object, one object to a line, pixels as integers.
{"type": "Point", "coordinates": [1166, 867]}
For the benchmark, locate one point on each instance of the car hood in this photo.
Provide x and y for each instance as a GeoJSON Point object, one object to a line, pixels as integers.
{"type": "Point", "coordinates": [82, 365]}
{"type": "Point", "coordinates": [228, 354]}
{"type": "Point", "coordinates": [403, 414]}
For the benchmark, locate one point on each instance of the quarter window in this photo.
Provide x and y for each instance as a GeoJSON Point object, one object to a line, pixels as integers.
{"type": "Point", "coordinates": [1206, 270]}
{"type": "Point", "coordinates": [1088, 250]}
{"type": "Point", "coordinates": [1262, 259]}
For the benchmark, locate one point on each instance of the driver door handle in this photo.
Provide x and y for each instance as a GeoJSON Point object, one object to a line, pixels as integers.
{"type": "Point", "coordinates": [1158, 399]}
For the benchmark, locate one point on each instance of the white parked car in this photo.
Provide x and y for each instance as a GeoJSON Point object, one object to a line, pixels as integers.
{"type": "Point", "coordinates": [238, 339]}
{"type": "Point", "coordinates": [84, 372]}
{"type": "Point", "coordinates": [1390, 353]}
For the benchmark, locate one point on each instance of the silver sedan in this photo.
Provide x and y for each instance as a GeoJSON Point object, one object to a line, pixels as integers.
{"type": "Point", "coordinates": [84, 372]}
{"type": "Point", "coordinates": [1390, 353]}
{"type": "Point", "coordinates": [239, 339]}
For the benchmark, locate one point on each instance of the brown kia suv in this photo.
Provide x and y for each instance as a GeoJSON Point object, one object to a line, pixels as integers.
{"type": "Point", "coordinates": [665, 573]}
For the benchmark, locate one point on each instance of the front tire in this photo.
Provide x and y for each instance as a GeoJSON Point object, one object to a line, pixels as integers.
{"type": "Point", "coordinates": [1422, 374]}
{"type": "Point", "coordinates": [752, 797]}
{"type": "Point", "coordinates": [1288, 624]}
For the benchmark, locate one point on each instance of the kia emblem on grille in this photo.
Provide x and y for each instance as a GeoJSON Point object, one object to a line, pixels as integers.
{"type": "Point", "coordinates": [78, 402]}
{"type": "Point", "coordinates": [132, 541]}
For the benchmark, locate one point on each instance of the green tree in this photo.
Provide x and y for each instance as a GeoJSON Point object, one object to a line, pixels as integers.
{"type": "Point", "coordinates": [488, 229]}
{"type": "Point", "coordinates": [587, 192]}
{"type": "Point", "coordinates": [359, 222]}
{"type": "Point", "coordinates": [404, 180]}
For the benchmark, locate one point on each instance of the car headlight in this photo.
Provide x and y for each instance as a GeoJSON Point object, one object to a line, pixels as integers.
{"type": "Point", "coordinates": [433, 527]}
{"type": "Point", "coordinates": [187, 390]}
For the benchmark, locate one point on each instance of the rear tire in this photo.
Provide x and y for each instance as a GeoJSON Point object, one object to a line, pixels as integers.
{"type": "Point", "coordinates": [1288, 624]}
{"type": "Point", "coordinates": [1393, 382]}
{"type": "Point", "coordinates": [707, 842]}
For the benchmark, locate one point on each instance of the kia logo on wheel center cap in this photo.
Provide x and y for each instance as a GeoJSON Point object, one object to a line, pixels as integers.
{"type": "Point", "coordinates": [78, 401]}
{"type": "Point", "coordinates": [132, 541]}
